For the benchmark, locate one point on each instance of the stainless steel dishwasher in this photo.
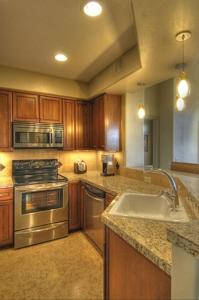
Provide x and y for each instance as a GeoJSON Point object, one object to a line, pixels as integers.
{"type": "Point", "coordinates": [94, 200]}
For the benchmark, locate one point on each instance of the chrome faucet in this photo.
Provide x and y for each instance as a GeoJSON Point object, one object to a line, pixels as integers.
{"type": "Point", "coordinates": [172, 196]}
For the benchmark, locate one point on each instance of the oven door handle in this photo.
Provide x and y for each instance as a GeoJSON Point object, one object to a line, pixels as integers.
{"type": "Point", "coordinates": [38, 189]}
{"type": "Point", "coordinates": [41, 229]}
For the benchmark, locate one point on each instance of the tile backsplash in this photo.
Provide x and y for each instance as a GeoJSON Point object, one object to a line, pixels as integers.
{"type": "Point", "coordinates": [67, 158]}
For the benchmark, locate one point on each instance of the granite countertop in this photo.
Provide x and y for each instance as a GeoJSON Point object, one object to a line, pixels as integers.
{"type": "Point", "coordinates": [115, 184]}
{"type": "Point", "coordinates": [190, 181]}
{"type": "Point", "coordinates": [185, 236]}
{"type": "Point", "coordinates": [148, 237]}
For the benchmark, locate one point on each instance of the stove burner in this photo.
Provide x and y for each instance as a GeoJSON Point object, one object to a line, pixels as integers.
{"type": "Point", "coordinates": [36, 171]}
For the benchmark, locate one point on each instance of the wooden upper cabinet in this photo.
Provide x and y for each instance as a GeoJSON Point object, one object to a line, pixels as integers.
{"type": "Point", "coordinates": [95, 123]}
{"type": "Point", "coordinates": [101, 135]}
{"type": "Point", "coordinates": [25, 107]}
{"type": "Point", "coordinates": [112, 122]}
{"type": "Point", "coordinates": [69, 124]}
{"type": "Point", "coordinates": [106, 122]}
{"type": "Point", "coordinates": [98, 133]}
{"type": "Point", "coordinates": [50, 109]}
{"type": "Point", "coordinates": [5, 117]}
{"type": "Point", "coordinates": [82, 117]}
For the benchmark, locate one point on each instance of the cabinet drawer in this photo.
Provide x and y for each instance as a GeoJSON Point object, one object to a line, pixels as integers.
{"type": "Point", "coordinates": [6, 194]}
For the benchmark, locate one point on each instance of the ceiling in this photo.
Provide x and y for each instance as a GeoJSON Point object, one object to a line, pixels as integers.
{"type": "Point", "coordinates": [157, 25]}
{"type": "Point", "coordinates": [33, 31]}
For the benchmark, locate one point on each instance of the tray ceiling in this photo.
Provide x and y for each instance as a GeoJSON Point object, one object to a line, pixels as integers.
{"type": "Point", "coordinates": [32, 32]}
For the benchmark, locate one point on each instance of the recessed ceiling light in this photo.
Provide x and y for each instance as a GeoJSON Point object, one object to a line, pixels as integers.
{"type": "Point", "coordinates": [92, 9]}
{"type": "Point", "coordinates": [61, 57]}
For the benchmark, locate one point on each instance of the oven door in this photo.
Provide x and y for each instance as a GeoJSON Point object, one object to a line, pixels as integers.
{"type": "Point", "coordinates": [40, 204]}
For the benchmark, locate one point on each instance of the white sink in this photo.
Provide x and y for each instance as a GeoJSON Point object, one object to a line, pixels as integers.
{"type": "Point", "coordinates": [147, 206]}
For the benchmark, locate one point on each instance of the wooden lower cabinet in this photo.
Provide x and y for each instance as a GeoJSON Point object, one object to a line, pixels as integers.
{"type": "Point", "coordinates": [6, 217]}
{"type": "Point", "coordinates": [74, 206]}
{"type": "Point", "coordinates": [131, 276]}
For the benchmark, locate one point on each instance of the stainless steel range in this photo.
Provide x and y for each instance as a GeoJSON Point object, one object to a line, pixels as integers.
{"type": "Point", "coordinates": [40, 202]}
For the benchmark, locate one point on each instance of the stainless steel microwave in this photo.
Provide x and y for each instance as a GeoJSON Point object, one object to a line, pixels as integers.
{"type": "Point", "coordinates": [37, 135]}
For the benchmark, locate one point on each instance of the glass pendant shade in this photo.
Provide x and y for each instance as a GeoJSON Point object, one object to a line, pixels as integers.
{"type": "Point", "coordinates": [141, 111]}
{"type": "Point", "coordinates": [183, 86]}
{"type": "Point", "coordinates": [180, 105]}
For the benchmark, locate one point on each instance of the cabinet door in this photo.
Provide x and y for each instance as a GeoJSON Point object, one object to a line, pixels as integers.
{"type": "Point", "coordinates": [130, 275]}
{"type": "Point", "coordinates": [112, 116]}
{"type": "Point", "coordinates": [74, 205]}
{"type": "Point", "coordinates": [69, 124]}
{"type": "Point", "coordinates": [25, 107]}
{"type": "Point", "coordinates": [98, 137]}
{"type": "Point", "coordinates": [50, 110]}
{"type": "Point", "coordinates": [95, 124]}
{"type": "Point", "coordinates": [6, 222]}
{"type": "Point", "coordinates": [83, 115]}
{"type": "Point", "coordinates": [5, 117]}
{"type": "Point", "coordinates": [101, 124]}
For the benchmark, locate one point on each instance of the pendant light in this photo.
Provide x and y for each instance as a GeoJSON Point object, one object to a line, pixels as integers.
{"type": "Point", "coordinates": [180, 105]}
{"type": "Point", "coordinates": [141, 111]}
{"type": "Point", "coordinates": [183, 85]}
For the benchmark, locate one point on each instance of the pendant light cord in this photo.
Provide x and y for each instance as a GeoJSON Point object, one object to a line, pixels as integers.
{"type": "Point", "coordinates": [183, 37]}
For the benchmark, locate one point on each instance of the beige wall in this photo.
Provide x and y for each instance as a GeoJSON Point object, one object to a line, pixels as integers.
{"type": "Point", "coordinates": [166, 97]}
{"type": "Point", "coordinates": [151, 102]}
{"type": "Point", "coordinates": [159, 104]}
{"type": "Point", "coordinates": [134, 130]}
{"type": "Point", "coordinates": [31, 81]}
{"type": "Point", "coordinates": [67, 158]}
{"type": "Point", "coordinates": [128, 63]}
{"type": "Point", "coordinates": [35, 82]}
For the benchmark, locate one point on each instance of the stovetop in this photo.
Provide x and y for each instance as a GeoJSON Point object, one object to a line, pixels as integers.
{"type": "Point", "coordinates": [36, 171]}
{"type": "Point", "coordinates": [34, 179]}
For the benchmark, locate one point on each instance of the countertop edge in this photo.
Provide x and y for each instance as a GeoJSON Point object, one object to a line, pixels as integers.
{"type": "Point", "coordinates": [157, 261]}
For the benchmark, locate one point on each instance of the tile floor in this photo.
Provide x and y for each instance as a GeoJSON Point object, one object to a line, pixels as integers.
{"type": "Point", "coordinates": [68, 268]}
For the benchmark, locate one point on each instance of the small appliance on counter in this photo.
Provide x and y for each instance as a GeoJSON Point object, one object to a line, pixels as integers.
{"type": "Point", "coordinates": [107, 165]}
{"type": "Point", "coordinates": [80, 167]}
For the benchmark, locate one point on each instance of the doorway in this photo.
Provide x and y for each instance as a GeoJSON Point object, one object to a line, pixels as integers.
{"type": "Point", "coordinates": [151, 143]}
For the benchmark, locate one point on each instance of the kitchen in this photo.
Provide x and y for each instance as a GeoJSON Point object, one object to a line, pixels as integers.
{"type": "Point", "coordinates": [85, 211]}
